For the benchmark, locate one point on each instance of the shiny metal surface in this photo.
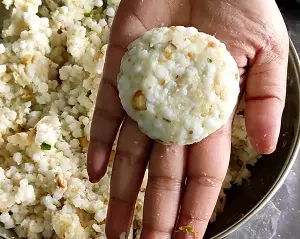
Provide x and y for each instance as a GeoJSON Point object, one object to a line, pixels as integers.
{"type": "Point", "coordinates": [269, 173]}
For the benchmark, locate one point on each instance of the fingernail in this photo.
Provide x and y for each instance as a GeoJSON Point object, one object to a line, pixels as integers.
{"type": "Point", "coordinates": [266, 145]}
{"type": "Point", "coordinates": [92, 180]}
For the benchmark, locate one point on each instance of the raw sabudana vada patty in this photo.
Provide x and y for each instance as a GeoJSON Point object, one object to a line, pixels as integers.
{"type": "Point", "coordinates": [178, 84]}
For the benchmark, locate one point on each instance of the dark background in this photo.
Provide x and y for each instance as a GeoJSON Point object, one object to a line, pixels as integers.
{"type": "Point", "coordinates": [291, 13]}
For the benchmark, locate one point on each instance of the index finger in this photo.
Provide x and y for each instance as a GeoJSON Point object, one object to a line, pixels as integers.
{"type": "Point", "coordinates": [207, 166]}
{"type": "Point", "coordinates": [109, 113]}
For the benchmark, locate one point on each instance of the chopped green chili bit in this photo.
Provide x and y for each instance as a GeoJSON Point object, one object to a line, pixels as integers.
{"type": "Point", "coordinates": [209, 60]}
{"type": "Point", "coordinates": [186, 229]}
{"type": "Point", "coordinates": [45, 146]}
{"type": "Point", "coordinates": [87, 14]}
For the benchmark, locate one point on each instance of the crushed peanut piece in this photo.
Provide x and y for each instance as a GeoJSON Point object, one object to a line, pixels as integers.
{"type": "Point", "coordinates": [139, 101]}
{"type": "Point", "coordinates": [162, 82]}
{"type": "Point", "coordinates": [84, 142]}
{"type": "Point", "coordinates": [60, 182]}
{"type": "Point", "coordinates": [98, 55]}
{"type": "Point", "coordinates": [212, 44]}
{"type": "Point", "coordinates": [168, 54]}
{"type": "Point", "coordinates": [26, 59]}
{"type": "Point", "coordinates": [190, 54]}
{"type": "Point", "coordinates": [27, 96]}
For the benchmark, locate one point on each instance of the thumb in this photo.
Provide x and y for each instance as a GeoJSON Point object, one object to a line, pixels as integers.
{"type": "Point", "coordinates": [265, 97]}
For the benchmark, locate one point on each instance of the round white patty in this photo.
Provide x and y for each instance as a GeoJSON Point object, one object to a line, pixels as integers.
{"type": "Point", "coordinates": [180, 85]}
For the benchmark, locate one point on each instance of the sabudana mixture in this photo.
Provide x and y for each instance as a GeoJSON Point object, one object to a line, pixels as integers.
{"type": "Point", "coordinates": [51, 62]}
{"type": "Point", "coordinates": [178, 84]}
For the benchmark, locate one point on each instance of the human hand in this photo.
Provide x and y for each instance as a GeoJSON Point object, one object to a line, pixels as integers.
{"type": "Point", "coordinates": [256, 36]}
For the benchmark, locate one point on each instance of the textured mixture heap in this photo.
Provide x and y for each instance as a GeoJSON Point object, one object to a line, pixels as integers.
{"type": "Point", "coordinates": [51, 63]}
{"type": "Point", "coordinates": [180, 85]}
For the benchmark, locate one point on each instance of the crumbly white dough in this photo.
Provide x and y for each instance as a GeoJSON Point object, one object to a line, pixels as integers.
{"type": "Point", "coordinates": [180, 85]}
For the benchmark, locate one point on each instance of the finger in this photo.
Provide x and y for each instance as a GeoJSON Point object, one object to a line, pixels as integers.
{"type": "Point", "coordinates": [107, 117]}
{"type": "Point", "coordinates": [108, 113]}
{"type": "Point", "coordinates": [207, 167]}
{"type": "Point", "coordinates": [130, 23]}
{"type": "Point", "coordinates": [265, 98]}
{"type": "Point", "coordinates": [162, 198]}
{"type": "Point", "coordinates": [127, 176]}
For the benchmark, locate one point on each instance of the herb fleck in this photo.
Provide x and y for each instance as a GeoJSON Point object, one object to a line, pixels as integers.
{"type": "Point", "coordinates": [186, 229]}
{"type": "Point", "coordinates": [167, 120]}
{"type": "Point", "coordinates": [88, 14]}
{"type": "Point", "coordinates": [209, 60]}
{"type": "Point", "coordinates": [45, 146]}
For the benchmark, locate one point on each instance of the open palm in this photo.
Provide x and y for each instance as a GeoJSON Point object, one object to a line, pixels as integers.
{"type": "Point", "coordinates": [188, 178]}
